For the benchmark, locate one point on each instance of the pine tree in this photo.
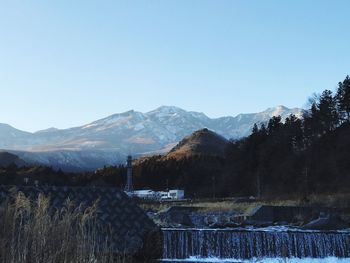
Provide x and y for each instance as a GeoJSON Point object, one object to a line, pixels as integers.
{"type": "Point", "coordinates": [327, 113]}
{"type": "Point", "coordinates": [255, 129]}
{"type": "Point", "coordinates": [293, 131]}
{"type": "Point", "coordinates": [274, 124]}
{"type": "Point", "coordinates": [343, 99]}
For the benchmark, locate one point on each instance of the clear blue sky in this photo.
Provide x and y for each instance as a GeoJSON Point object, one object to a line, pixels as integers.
{"type": "Point", "coordinates": [66, 63]}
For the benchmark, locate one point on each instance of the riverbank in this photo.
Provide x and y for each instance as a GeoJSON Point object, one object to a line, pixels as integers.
{"type": "Point", "coordinates": [245, 204]}
{"type": "Point", "coordinates": [327, 212]}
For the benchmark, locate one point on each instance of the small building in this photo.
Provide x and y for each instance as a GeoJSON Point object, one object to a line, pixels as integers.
{"type": "Point", "coordinates": [176, 194]}
{"type": "Point", "coordinates": [145, 194]}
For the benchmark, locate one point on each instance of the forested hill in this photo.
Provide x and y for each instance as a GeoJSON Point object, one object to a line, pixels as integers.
{"type": "Point", "coordinates": [7, 159]}
{"type": "Point", "coordinates": [201, 142]}
{"type": "Point", "coordinates": [299, 156]}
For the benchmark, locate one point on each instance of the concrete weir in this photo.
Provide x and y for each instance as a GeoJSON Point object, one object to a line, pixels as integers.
{"type": "Point", "coordinates": [131, 231]}
{"type": "Point", "coordinates": [244, 244]}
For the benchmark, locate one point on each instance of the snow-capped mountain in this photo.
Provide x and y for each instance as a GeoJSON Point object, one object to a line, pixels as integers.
{"type": "Point", "coordinates": [108, 140]}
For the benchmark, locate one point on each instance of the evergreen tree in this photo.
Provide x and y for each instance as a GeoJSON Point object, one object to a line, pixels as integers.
{"type": "Point", "coordinates": [255, 129]}
{"type": "Point", "coordinates": [263, 130]}
{"type": "Point", "coordinates": [343, 99]}
{"type": "Point", "coordinates": [274, 124]}
{"type": "Point", "coordinates": [293, 132]}
{"type": "Point", "coordinates": [311, 125]}
{"type": "Point", "coordinates": [327, 113]}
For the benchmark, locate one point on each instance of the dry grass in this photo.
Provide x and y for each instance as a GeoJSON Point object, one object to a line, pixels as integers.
{"type": "Point", "coordinates": [223, 206]}
{"type": "Point", "coordinates": [216, 206]}
{"type": "Point", "coordinates": [340, 200]}
{"type": "Point", "coordinates": [324, 200]}
{"type": "Point", "coordinates": [31, 232]}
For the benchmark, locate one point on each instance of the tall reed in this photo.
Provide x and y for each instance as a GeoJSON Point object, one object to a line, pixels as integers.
{"type": "Point", "coordinates": [32, 232]}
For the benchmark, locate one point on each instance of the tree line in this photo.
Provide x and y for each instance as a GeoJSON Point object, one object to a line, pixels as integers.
{"type": "Point", "coordinates": [299, 155]}
{"type": "Point", "coordinates": [295, 156]}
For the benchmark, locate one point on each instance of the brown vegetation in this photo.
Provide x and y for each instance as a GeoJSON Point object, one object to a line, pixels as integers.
{"type": "Point", "coordinates": [31, 232]}
{"type": "Point", "coordinates": [202, 142]}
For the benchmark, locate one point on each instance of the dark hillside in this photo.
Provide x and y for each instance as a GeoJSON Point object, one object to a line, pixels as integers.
{"type": "Point", "coordinates": [329, 160]}
{"type": "Point", "coordinates": [7, 159]}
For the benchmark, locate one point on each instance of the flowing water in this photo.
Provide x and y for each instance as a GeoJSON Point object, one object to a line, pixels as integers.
{"type": "Point", "coordinates": [258, 245]}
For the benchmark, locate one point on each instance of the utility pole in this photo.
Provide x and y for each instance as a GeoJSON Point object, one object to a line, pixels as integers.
{"type": "Point", "coordinates": [129, 187]}
{"type": "Point", "coordinates": [306, 181]}
{"type": "Point", "coordinates": [258, 185]}
{"type": "Point", "coordinates": [214, 190]}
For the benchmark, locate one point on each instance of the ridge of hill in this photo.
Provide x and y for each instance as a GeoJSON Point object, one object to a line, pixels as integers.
{"type": "Point", "coordinates": [201, 142]}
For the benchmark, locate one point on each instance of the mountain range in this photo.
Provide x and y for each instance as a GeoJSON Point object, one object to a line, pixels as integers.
{"type": "Point", "coordinates": [107, 141]}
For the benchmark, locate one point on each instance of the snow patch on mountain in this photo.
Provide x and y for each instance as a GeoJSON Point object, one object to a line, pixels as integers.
{"type": "Point", "coordinates": [129, 132]}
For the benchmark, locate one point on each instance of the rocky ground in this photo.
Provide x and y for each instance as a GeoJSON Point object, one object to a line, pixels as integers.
{"type": "Point", "coordinates": [313, 218]}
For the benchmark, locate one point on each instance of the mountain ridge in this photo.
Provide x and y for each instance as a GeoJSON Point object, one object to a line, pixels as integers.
{"type": "Point", "coordinates": [127, 132]}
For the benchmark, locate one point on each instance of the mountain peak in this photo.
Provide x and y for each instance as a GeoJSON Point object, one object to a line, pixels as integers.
{"type": "Point", "coordinates": [283, 111]}
{"type": "Point", "coordinates": [281, 107]}
{"type": "Point", "coordinates": [277, 108]}
{"type": "Point", "coordinates": [168, 109]}
{"type": "Point", "coordinates": [125, 113]}
{"type": "Point", "coordinates": [8, 130]}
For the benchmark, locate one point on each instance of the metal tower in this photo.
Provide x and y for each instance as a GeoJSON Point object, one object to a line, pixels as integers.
{"type": "Point", "coordinates": [128, 186]}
